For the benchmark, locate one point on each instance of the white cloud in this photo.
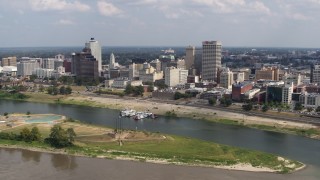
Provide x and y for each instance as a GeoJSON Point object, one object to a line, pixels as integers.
{"type": "Point", "coordinates": [59, 5]}
{"type": "Point", "coordinates": [108, 9]}
{"type": "Point", "coordinates": [65, 22]}
{"type": "Point", "coordinates": [234, 6]}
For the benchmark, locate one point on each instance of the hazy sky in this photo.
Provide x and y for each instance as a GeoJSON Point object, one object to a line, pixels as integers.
{"type": "Point", "coordinates": [280, 23]}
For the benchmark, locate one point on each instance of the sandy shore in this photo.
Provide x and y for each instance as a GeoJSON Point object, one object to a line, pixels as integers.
{"type": "Point", "coordinates": [186, 111]}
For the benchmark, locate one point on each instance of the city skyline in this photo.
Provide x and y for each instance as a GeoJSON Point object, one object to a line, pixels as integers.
{"type": "Point", "coordinates": [236, 23]}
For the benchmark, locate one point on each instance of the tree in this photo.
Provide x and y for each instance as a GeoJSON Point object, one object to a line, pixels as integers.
{"type": "Point", "coordinates": [60, 138]}
{"type": "Point", "coordinates": [5, 114]}
{"type": "Point", "coordinates": [35, 134]}
{"type": "Point", "coordinates": [129, 89]}
{"type": "Point", "coordinates": [247, 107]}
{"type": "Point", "coordinates": [62, 90]}
{"type": "Point", "coordinates": [138, 91]}
{"type": "Point", "coordinates": [53, 90]}
{"type": "Point", "coordinates": [41, 88]}
{"type": "Point", "coordinates": [309, 109]}
{"type": "Point", "coordinates": [25, 135]}
{"type": "Point", "coordinates": [71, 135]}
{"type": "Point", "coordinates": [298, 106]}
{"type": "Point", "coordinates": [68, 90]}
{"type": "Point", "coordinates": [212, 101]}
{"type": "Point", "coordinates": [265, 108]}
{"type": "Point", "coordinates": [225, 101]}
{"type": "Point", "coordinates": [28, 113]}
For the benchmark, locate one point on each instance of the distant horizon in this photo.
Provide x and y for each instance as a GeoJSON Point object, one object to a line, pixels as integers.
{"type": "Point", "coordinates": [164, 46]}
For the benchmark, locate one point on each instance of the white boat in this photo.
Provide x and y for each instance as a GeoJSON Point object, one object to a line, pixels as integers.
{"type": "Point", "coordinates": [128, 112]}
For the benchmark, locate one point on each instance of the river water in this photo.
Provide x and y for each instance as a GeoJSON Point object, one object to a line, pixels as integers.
{"type": "Point", "coordinates": [294, 147]}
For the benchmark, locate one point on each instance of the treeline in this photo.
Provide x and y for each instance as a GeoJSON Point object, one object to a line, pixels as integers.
{"type": "Point", "coordinates": [134, 90]}
{"type": "Point", "coordinates": [54, 90]}
{"type": "Point", "coordinates": [58, 137]}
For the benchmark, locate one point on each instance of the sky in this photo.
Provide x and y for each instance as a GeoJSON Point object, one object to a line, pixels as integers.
{"type": "Point", "coordinates": [244, 23]}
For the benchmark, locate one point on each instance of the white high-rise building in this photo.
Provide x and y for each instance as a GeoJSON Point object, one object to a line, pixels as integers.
{"type": "Point", "coordinates": [112, 61]}
{"type": "Point", "coordinates": [287, 91]}
{"type": "Point", "coordinates": [96, 52]}
{"type": "Point", "coordinates": [175, 76]}
{"type": "Point", "coordinates": [226, 78]}
{"type": "Point", "coordinates": [211, 59]}
{"type": "Point", "coordinates": [171, 78]}
{"type": "Point", "coordinates": [25, 68]}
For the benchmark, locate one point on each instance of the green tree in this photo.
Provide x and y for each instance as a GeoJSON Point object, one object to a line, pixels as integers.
{"type": "Point", "coordinates": [35, 134]}
{"type": "Point", "coordinates": [25, 135]}
{"type": "Point", "coordinates": [68, 90]}
{"type": "Point", "coordinates": [71, 135]}
{"type": "Point", "coordinates": [298, 106]}
{"type": "Point", "coordinates": [225, 101]}
{"type": "Point", "coordinates": [265, 108]}
{"type": "Point", "coordinates": [62, 90]}
{"type": "Point", "coordinates": [53, 90]}
{"type": "Point", "coordinates": [5, 114]}
{"type": "Point", "coordinates": [129, 89]}
{"type": "Point", "coordinates": [28, 113]}
{"type": "Point", "coordinates": [60, 138]}
{"type": "Point", "coordinates": [212, 101]}
{"type": "Point", "coordinates": [138, 91]}
{"type": "Point", "coordinates": [41, 88]}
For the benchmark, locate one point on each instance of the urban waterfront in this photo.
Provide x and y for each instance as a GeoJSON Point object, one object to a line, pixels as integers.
{"type": "Point", "coordinates": [294, 147]}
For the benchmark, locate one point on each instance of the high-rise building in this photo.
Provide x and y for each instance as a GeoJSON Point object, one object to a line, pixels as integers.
{"type": "Point", "coordinates": [211, 59]}
{"type": "Point", "coordinates": [226, 78]}
{"type": "Point", "coordinates": [315, 74]}
{"type": "Point", "coordinates": [171, 76]}
{"type": "Point", "coordinates": [25, 68]}
{"type": "Point", "coordinates": [48, 63]}
{"type": "Point", "coordinates": [9, 61]}
{"type": "Point", "coordinates": [190, 57]}
{"type": "Point", "coordinates": [112, 61]}
{"type": "Point", "coordinates": [84, 65]}
{"type": "Point", "coordinates": [96, 52]}
{"type": "Point", "coordinates": [287, 91]}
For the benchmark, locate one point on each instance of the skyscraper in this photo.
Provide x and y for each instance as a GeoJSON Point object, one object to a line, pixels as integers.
{"type": "Point", "coordinates": [96, 52]}
{"type": "Point", "coordinates": [315, 74]}
{"type": "Point", "coordinates": [190, 57]}
{"type": "Point", "coordinates": [112, 61]}
{"type": "Point", "coordinates": [211, 60]}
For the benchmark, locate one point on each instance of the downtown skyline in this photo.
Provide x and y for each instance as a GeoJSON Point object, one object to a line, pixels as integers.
{"type": "Point", "coordinates": [243, 23]}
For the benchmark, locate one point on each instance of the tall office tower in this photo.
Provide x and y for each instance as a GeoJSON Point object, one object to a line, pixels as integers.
{"type": "Point", "coordinates": [84, 64]}
{"type": "Point", "coordinates": [211, 59]}
{"type": "Point", "coordinates": [95, 51]}
{"type": "Point", "coordinates": [112, 61]}
{"type": "Point", "coordinates": [190, 56]}
{"type": "Point", "coordinates": [315, 74]}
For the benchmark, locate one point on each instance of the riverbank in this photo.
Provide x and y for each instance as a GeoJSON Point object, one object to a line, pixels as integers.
{"type": "Point", "coordinates": [231, 118]}
{"type": "Point", "coordinates": [102, 142]}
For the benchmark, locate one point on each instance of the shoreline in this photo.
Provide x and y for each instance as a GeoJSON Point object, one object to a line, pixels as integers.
{"type": "Point", "coordinates": [236, 167]}
{"type": "Point", "coordinates": [197, 113]}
